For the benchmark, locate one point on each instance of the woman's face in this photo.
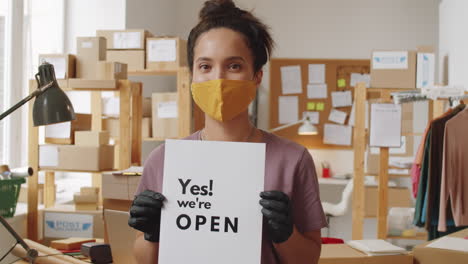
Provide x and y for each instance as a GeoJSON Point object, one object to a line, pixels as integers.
{"type": "Point", "coordinates": [222, 53]}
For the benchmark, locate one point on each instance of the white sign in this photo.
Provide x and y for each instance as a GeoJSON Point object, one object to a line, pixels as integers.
{"type": "Point", "coordinates": [162, 50]}
{"type": "Point", "coordinates": [425, 70]}
{"type": "Point", "coordinates": [212, 214]}
{"type": "Point", "coordinates": [60, 225]}
{"type": "Point", "coordinates": [167, 109]}
{"type": "Point", "coordinates": [385, 125]}
{"type": "Point", "coordinates": [390, 60]}
{"type": "Point", "coordinates": [127, 40]}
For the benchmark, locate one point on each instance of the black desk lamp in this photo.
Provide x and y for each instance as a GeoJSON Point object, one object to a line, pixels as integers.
{"type": "Point", "coordinates": [51, 106]}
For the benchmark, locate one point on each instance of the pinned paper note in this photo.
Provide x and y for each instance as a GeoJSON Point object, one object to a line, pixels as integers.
{"type": "Point", "coordinates": [357, 78]}
{"type": "Point", "coordinates": [317, 91]}
{"type": "Point", "coordinates": [310, 106]}
{"type": "Point", "coordinates": [352, 116]}
{"type": "Point", "coordinates": [317, 73]}
{"type": "Point", "coordinates": [390, 60]}
{"type": "Point", "coordinates": [288, 109]}
{"type": "Point", "coordinates": [162, 50]}
{"type": "Point", "coordinates": [320, 106]}
{"type": "Point", "coordinates": [341, 83]}
{"type": "Point", "coordinates": [337, 135]}
{"type": "Point", "coordinates": [342, 99]}
{"type": "Point", "coordinates": [314, 117]}
{"type": "Point", "coordinates": [337, 116]}
{"type": "Point", "coordinates": [385, 125]}
{"type": "Point", "coordinates": [291, 80]}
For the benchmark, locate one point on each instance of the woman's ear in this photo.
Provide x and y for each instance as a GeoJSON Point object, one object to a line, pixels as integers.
{"type": "Point", "coordinates": [258, 77]}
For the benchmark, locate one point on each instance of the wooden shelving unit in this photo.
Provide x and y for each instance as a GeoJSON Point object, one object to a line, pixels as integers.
{"type": "Point", "coordinates": [130, 94]}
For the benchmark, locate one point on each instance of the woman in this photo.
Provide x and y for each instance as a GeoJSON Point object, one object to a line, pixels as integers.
{"type": "Point", "coordinates": [226, 52]}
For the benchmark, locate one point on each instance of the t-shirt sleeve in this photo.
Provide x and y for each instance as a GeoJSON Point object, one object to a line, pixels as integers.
{"type": "Point", "coordinates": [151, 179]}
{"type": "Point", "coordinates": [307, 208]}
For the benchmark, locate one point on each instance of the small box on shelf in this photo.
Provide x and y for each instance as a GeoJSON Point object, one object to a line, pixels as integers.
{"type": "Point", "coordinates": [393, 69]}
{"type": "Point", "coordinates": [135, 59]}
{"type": "Point", "coordinates": [165, 53]}
{"type": "Point", "coordinates": [165, 115]}
{"type": "Point", "coordinates": [90, 50]}
{"type": "Point", "coordinates": [64, 64]}
{"type": "Point", "coordinates": [91, 138]}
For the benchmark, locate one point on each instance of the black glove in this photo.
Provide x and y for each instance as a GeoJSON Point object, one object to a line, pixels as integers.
{"type": "Point", "coordinates": [276, 210]}
{"type": "Point", "coordinates": [145, 214]}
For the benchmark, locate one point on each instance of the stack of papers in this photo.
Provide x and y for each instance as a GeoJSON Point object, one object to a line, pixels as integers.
{"type": "Point", "coordinates": [132, 171]}
{"type": "Point", "coordinates": [376, 247]}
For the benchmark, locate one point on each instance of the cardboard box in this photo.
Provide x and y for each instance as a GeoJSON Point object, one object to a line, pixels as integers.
{"type": "Point", "coordinates": [125, 39]}
{"type": "Point", "coordinates": [397, 197]}
{"type": "Point", "coordinates": [64, 64]}
{"type": "Point", "coordinates": [64, 133]}
{"type": "Point", "coordinates": [426, 255]}
{"type": "Point", "coordinates": [112, 125]}
{"type": "Point", "coordinates": [85, 198]}
{"type": "Point", "coordinates": [86, 206]}
{"type": "Point", "coordinates": [135, 59]}
{"type": "Point", "coordinates": [344, 254]}
{"type": "Point", "coordinates": [119, 187]}
{"type": "Point", "coordinates": [107, 70]}
{"type": "Point", "coordinates": [92, 84]}
{"type": "Point", "coordinates": [90, 50]}
{"type": "Point", "coordinates": [64, 222]}
{"type": "Point", "coordinates": [72, 243]}
{"type": "Point", "coordinates": [166, 53]}
{"type": "Point", "coordinates": [393, 69]}
{"type": "Point", "coordinates": [89, 190]}
{"type": "Point", "coordinates": [146, 107]}
{"type": "Point", "coordinates": [164, 109]}
{"type": "Point", "coordinates": [425, 70]}
{"type": "Point", "coordinates": [146, 127]}
{"type": "Point", "coordinates": [79, 158]}
{"type": "Point", "coordinates": [91, 138]}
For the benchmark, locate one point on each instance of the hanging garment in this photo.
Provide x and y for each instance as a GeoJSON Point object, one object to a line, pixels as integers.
{"type": "Point", "coordinates": [455, 171]}
{"type": "Point", "coordinates": [422, 182]}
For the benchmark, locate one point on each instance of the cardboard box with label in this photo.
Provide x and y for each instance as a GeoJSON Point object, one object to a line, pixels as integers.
{"type": "Point", "coordinates": [393, 69]}
{"type": "Point", "coordinates": [79, 158]}
{"type": "Point", "coordinates": [64, 64]}
{"type": "Point", "coordinates": [344, 254]}
{"type": "Point", "coordinates": [90, 50]}
{"type": "Point", "coordinates": [119, 187]}
{"type": "Point", "coordinates": [165, 113]}
{"type": "Point", "coordinates": [64, 133]}
{"type": "Point", "coordinates": [166, 53]}
{"type": "Point", "coordinates": [135, 59]}
{"type": "Point", "coordinates": [425, 67]}
{"type": "Point", "coordinates": [445, 251]}
{"type": "Point", "coordinates": [64, 222]}
{"type": "Point", "coordinates": [107, 70]}
{"type": "Point", "coordinates": [125, 39]}
{"type": "Point", "coordinates": [91, 138]}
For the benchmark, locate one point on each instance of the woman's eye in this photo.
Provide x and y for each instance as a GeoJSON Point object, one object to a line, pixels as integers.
{"type": "Point", "coordinates": [235, 66]}
{"type": "Point", "coordinates": [204, 67]}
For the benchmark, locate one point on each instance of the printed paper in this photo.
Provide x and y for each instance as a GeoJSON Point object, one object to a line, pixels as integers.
{"type": "Point", "coordinates": [317, 73]}
{"type": "Point", "coordinates": [390, 60]}
{"type": "Point", "coordinates": [357, 78]}
{"type": "Point", "coordinates": [337, 116]}
{"type": "Point", "coordinates": [167, 109]}
{"type": "Point", "coordinates": [127, 40]}
{"type": "Point", "coordinates": [342, 99]}
{"type": "Point", "coordinates": [385, 125]}
{"type": "Point", "coordinates": [337, 135]}
{"type": "Point", "coordinates": [291, 80]}
{"type": "Point", "coordinates": [317, 91]}
{"type": "Point", "coordinates": [162, 50]}
{"type": "Point", "coordinates": [288, 109]}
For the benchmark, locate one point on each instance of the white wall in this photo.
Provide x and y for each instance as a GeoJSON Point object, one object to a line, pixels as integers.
{"type": "Point", "coordinates": [84, 17]}
{"type": "Point", "coordinates": [453, 42]}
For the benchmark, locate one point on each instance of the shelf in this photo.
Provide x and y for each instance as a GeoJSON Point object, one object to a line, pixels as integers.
{"type": "Point", "coordinates": [151, 73]}
{"type": "Point", "coordinates": [391, 90]}
{"type": "Point", "coordinates": [74, 171]}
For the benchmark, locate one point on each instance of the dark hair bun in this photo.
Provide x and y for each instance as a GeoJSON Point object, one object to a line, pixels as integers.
{"type": "Point", "coordinates": [217, 8]}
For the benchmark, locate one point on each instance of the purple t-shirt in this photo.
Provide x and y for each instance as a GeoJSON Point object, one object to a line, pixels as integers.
{"type": "Point", "coordinates": [289, 168]}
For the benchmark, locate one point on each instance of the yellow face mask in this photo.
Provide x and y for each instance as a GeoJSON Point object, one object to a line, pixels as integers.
{"type": "Point", "coordinates": [224, 99]}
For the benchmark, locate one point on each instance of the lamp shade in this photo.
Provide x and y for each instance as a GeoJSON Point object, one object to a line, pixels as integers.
{"type": "Point", "coordinates": [307, 129]}
{"type": "Point", "coordinates": [52, 106]}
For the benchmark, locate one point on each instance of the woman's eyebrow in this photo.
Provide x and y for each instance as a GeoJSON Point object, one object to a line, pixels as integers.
{"type": "Point", "coordinates": [203, 59]}
{"type": "Point", "coordinates": [236, 58]}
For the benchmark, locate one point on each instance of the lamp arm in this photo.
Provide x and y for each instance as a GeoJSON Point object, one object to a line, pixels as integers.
{"type": "Point", "coordinates": [36, 92]}
{"type": "Point", "coordinates": [31, 253]}
{"type": "Point", "coordinates": [287, 125]}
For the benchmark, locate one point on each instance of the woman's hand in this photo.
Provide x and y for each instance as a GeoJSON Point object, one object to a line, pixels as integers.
{"type": "Point", "coordinates": [145, 214]}
{"type": "Point", "coordinates": [276, 210]}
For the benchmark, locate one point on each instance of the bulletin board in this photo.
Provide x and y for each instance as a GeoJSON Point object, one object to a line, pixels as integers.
{"type": "Point", "coordinates": [337, 77]}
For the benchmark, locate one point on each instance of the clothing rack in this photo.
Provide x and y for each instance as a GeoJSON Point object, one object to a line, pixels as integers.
{"type": "Point", "coordinates": [413, 96]}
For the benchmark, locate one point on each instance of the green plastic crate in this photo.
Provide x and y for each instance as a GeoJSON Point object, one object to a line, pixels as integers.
{"type": "Point", "coordinates": [9, 192]}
